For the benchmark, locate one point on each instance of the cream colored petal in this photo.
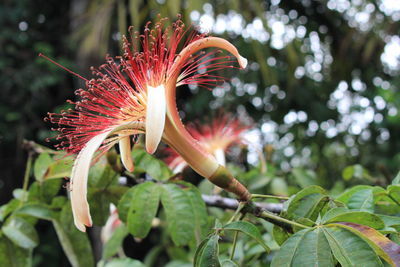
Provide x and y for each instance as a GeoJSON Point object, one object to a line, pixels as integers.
{"type": "Point", "coordinates": [125, 150]}
{"type": "Point", "coordinates": [79, 178]}
{"type": "Point", "coordinates": [155, 116]}
{"type": "Point", "coordinates": [219, 155]}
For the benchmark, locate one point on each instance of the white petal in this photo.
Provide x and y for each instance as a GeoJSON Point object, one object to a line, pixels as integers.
{"type": "Point", "coordinates": [155, 116]}
{"type": "Point", "coordinates": [125, 150]}
{"type": "Point", "coordinates": [219, 155]}
{"type": "Point", "coordinates": [79, 177]}
{"type": "Point", "coordinates": [242, 62]}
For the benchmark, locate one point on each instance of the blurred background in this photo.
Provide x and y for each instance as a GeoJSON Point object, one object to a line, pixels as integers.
{"type": "Point", "coordinates": [321, 85]}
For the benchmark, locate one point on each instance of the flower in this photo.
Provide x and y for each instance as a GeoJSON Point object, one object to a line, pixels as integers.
{"type": "Point", "coordinates": [217, 137]}
{"type": "Point", "coordinates": [137, 96]}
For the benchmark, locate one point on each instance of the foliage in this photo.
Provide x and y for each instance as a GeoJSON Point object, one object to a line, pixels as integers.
{"type": "Point", "coordinates": [343, 206]}
{"type": "Point", "coordinates": [170, 218]}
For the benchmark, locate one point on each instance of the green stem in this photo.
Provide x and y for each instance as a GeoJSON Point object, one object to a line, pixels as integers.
{"type": "Point", "coordinates": [239, 208]}
{"type": "Point", "coordinates": [236, 234]}
{"type": "Point", "coordinates": [268, 196]}
{"type": "Point", "coordinates": [267, 215]}
{"type": "Point", "coordinates": [234, 244]}
{"type": "Point", "coordinates": [27, 173]}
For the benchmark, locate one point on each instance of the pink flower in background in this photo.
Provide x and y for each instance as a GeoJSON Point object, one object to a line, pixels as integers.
{"type": "Point", "coordinates": [217, 137]}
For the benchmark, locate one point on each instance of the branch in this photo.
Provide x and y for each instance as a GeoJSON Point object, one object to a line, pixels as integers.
{"type": "Point", "coordinates": [232, 204]}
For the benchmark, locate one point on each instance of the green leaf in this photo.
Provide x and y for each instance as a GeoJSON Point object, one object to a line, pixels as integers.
{"type": "Point", "coordinates": [396, 180]}
{"type": "Point", "coordinates": [144, 162]}
{"type": "Point", "coordinates": [59, 168]}
{"type": "Point", "coordinates": [6, 209]}
{"type": "Point", "coordinates": [40, 211]}
{"type": "Point", "coordinates": [279, 234]}
{"type": "Point", "coordinates": [21, 233]}
{"type": "Point", "coordinates": [180, 216]}
{"type": "Point", "coordinates": [307, 203]}
{"type": "Point", "coordinates": [314, 250]}
{"type": "Point", "coordinates": [41, 165]}
{"type": "Point", "coordinates": [350, 249]}
{"type": "Point", "coordinates": [208, 255]}
{"type": "Point", "coordinates": [75, 244]}
{"type": "Point", "coordinates": [304, 178]}
{"type": "Point", "coordinates": [390, 220]}
{"type": "Point", "coordinates": [199, 209]}
{"type": "Point", "coordinates": [143, 209]}
{"type": "Point", "coordinates": [228, 263]}
{"type": "Point", "coordinates": [279, 187]}
{"type": "Point", "coordinates": [309, 248]}
{"type": "Point", "coordinates": [113, 245]}
{"type": "Point", "coordinates": [362, 200]}
{"type": "Point", "coordinates": [101, 175]}
{"type": "Point", "coordinates": [384, 247]}
{"type": "Point", "coordinates": [199, 251]}
{"type": "Point", "coordinates": [20, 194]}
{"type": "Point", "coordinates": [360, 217]}
{"type": "Point", "coordinates": [12, 255]}
{"type": "Point", "coordinates": [345, 196]}
{"type": "Point", "coordinates": [125, 203]}
{"type": "Point", "coordinates": [285, 255]}
{"type": "Point", "coordinates": [99, 203]}
{"type": "Point", "coordinates": [125, 262]}
{"type": "Point", "coordinates": [248, 229]}
{"type": "Point", "coordinates": [394, 193]}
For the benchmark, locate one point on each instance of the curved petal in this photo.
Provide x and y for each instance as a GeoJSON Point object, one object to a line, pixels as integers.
{"type": "Point", "coordinates": [125, 150]}
{"type": "Point", "coordinates": [79, 177]}
{"type": "Point", "coordinates": [155, 116]}
{"type": "Point", "coordinates": [80, 171]}
{"type": "Point", "coordinates": [180, 61]}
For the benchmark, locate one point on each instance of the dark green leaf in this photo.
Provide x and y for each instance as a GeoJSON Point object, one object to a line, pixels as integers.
{"type": "Point", "coordinates": [99, 203]}
{"type": "Point", "coordinates": [21, 233]}
{"type": "Point", "coordinates": [248, 229]}
{"type": "Point", "coordinates": [208, 255]}
{"type": "Point", "coordinates": [144, 162]}
{"type": "Point", "coordinates": [177, 206]}
{"type": "Point", "coordinates": [199, 251]}
{"type": "Point", "coordinates": [143, 209]}
{"type": "Point", "coordinates": [75, 244]}
{"type": "Point", "coordinates": [12, 255]}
